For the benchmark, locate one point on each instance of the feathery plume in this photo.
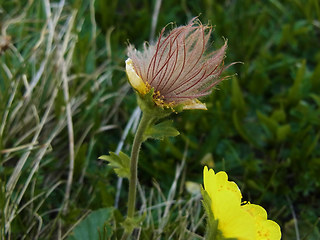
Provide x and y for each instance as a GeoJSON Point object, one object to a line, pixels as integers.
{"type": "Point", "coordinates": [178, 67]}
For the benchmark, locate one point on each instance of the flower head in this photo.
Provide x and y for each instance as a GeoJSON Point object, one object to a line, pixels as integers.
{"type": "Point", "coordinates": [179, 67]}
{"type": "Point", "coordinates": [235, 219]}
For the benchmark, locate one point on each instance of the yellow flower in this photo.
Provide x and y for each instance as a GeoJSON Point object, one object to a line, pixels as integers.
{"type": "Point", "coordinates": [179, 67]}
{"type": "Point", "coordinates": [236, 220]}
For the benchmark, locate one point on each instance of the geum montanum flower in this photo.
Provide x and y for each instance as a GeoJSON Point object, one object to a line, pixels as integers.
{"type": "Point", "coordinates": [179, 67]}
{"type": "Point", "coordinates": [236, 220]}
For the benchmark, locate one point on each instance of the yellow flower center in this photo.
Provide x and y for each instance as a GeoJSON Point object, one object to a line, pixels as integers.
{"type": "Point", "coordinates": [159, 100]}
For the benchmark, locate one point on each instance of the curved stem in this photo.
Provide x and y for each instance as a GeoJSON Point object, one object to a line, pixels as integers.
{"type": "Point", "coordinates": [138, 139]}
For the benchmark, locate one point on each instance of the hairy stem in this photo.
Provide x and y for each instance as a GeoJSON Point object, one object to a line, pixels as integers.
{"type": "Point", "coordinates": [138, 139]}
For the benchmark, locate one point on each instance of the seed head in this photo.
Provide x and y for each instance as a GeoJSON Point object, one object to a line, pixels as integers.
{"type": "Point", "coordinates": [179, 66]}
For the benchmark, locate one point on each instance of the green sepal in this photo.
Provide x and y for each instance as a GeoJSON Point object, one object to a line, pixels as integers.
{"type": "Point", "coordinates": [212, 224]}
{"type": "Point", "coordinates": [148, 106]}
{"type": "Point", "coordinates": [178, 108]}
{"type": "Point", "coordinates": [160, 131]}
{"type": "Point", "coordinates": [120, 163]}
{"type": "Point", "coordinates": [131, 223]}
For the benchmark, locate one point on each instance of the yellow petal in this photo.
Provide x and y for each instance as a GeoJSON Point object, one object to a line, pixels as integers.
{"type": "Point", "coordinates": [223, 183]}
{"type": "Point", "coordinates": [218, 183]}
{"type": "Point", "coordinates": [233, 221]}
{"type": "Point", "coordinates": [256, 211]}
{"type": "Point", "coordinates": [194, 104]}
{"type": "Point", "coordinates": [269, 230]}
{"type": "Point", "coordinates": [266, 229]}
{"type": "Point", "coordinates": [209, 181]}
{"type": "Point", "coordinates": [135, 81]}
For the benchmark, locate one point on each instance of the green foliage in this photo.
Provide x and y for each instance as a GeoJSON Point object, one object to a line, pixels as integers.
{"type": "Point", "coordinates": [237, 97]}
{"type": "Point", "coordinates": [120, 163]}
{"type": "Point", "coordinates": [95, 226]}
{"type": "Point", "coordinates": [161, 130]}
{"type": "Point", "coordinates": [262, 126]}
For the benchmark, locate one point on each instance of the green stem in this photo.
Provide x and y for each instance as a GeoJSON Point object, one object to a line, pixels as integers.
{"type": "Point", "coordinates": [138, 139]}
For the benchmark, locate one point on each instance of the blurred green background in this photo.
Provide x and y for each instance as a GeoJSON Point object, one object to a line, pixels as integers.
{"type": "Point", "coordinates": [65, 100]}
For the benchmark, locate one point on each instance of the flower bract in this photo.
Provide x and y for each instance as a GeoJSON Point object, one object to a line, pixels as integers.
{"type": "Point", "coordinates": [235, 219]}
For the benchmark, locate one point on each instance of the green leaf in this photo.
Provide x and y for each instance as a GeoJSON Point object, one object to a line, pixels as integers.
{"type": "Point", "coordinates": [120, 163]}
{"type": "Point", "coordinates": [316, 98]}
{"type": "Point", "coordinates": [237, 96]}
{"type": "Point", "coordinates": [295, 93]}
{"type": "Point", "coordinates": [95, 225]}
{"type": "Point", "coordinates": [269, 122]}
{"type": "Point", "coordinates": [313, 145]}
{"type": "Point", "coordinates": [315, 83]}
{"type": "Point", "coordinates": [161, 130]}
{"type": "Point", "coordinates": [279, 115]}
{"type": "Point", "coordinates": [282, 132]}
{"type": "Point", "coordinates": [242, 130]}
{"type": "Point", "coordinates": [278, 132]}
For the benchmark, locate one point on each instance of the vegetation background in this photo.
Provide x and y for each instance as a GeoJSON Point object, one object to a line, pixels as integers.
{"type": "Point", "coordinates": [65, 100]}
